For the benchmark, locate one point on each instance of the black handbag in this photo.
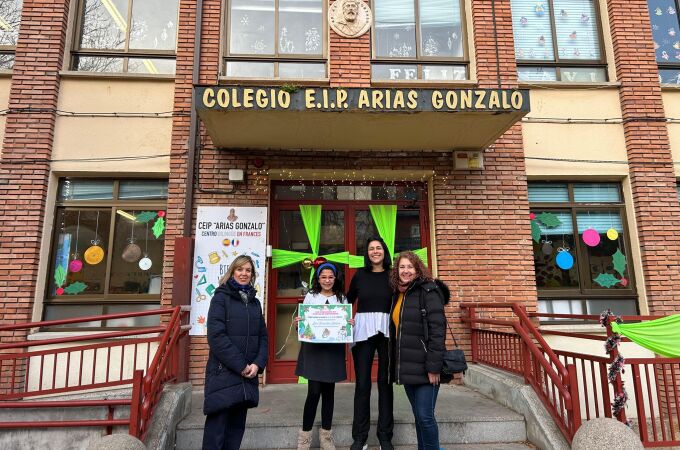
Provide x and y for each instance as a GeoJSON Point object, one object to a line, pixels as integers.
{"type": "Point", "coordinates": [453, 361]}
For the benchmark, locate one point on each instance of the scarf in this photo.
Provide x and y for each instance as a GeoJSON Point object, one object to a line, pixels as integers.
{"type": "Point", "coordinates": [402, 287]}
{"type": "Point", "coordinates": [245, 288]}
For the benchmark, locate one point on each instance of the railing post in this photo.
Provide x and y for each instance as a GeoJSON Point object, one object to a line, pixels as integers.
{"type": "Point", "coordinates": [572, 385]}
{"type": "Point", "coordinates": [473, 335]}
{"type": "Point", "coordinates": [136, 403]}
{"type": "Point", "coordinates": [640, 404]}
{"type": "Point", "coordinates": [618, 382]}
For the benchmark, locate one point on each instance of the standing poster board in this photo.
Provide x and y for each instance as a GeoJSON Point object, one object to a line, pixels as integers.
{"type": "Point", "coordinates": [222, 234]}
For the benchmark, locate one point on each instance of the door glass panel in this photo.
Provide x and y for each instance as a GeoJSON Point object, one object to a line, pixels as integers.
{"type": "Point", "coordinates": [407, 234]}
{"type": "Point", "coordinates": [293, 279]}
{"type": "Point", "coordinates": [287, 345]}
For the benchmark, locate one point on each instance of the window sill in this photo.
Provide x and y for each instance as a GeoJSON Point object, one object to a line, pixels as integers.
{"type": "Point", "coordinates": [424, 84]}
{"type": "Point", "coordinates": [116, 76]}
{"type": "Point", "coordinates": [569, 85]}
{"type": "Point", "coordinates": [590, 328]}
{"type": "Point", "coordinates": [670, 87]}
{"type": "Point", "coordinates": [274, 81]}
{"type": "Point", "coordinates": [6, 73]}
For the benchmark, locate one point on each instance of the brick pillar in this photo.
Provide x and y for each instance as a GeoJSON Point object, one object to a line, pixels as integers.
{"type": "Point", "coordinates": [483, 234]}
{"type": "Point", "coordinates": [650, 161]}
{"type": "Point", "coordinates": [350, 59]}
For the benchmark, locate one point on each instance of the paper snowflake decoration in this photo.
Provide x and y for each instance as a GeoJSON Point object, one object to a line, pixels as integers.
{"type": "Point", "coordinates": [245, 20]}
{"type": "Point", "coordinates": [431, 47]}
{"type": "Point", "coordinates": [258, 46]}
{"type": "Point", "coordinates": [402, 51]}
{"type": "Point", "coordinates": [312, 40]}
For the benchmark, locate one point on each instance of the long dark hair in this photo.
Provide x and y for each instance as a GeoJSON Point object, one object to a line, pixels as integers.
{"type": "Point", "coordinates": [387, 262]}
{"type": "Point", "coordinates": [337, 286]}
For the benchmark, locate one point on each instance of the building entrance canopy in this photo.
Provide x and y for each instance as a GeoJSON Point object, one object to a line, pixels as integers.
{"type": "Point", "coordinates": [358, 119]}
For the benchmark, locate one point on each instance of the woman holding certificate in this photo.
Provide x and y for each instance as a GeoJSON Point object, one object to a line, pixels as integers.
{"type": "Point", "coordinates": [321, 364]}
{"type": "Point", "coordinates": [417, 341]}
{"type": "Point", "coordinates": [238, 342]}
{"type": "Point", "coordinates": [370, 288]}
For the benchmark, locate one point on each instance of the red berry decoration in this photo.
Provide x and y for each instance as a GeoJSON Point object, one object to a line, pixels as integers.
{"type": "Point", "coordinates": [161, 213]}
{"type": "Point", "coordinates": [532, 216]}
{"type": "Point", "coordinates": [624, 282]}
{"type": "Point", "coordinates": [60, 291]}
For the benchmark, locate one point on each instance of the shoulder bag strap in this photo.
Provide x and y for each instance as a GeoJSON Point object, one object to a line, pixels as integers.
{"type": "Point", "coordinates": [423, 313]}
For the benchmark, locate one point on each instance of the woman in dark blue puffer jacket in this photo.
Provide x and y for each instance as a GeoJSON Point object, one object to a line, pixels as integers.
{"type": "Point", "coordinates": [238, 342]}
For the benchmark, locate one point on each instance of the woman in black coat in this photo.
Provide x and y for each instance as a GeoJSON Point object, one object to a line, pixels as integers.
{"type": "Point", "coordinates": [417, 341]}
{"type": "Point", "coordinates": [238, 342]}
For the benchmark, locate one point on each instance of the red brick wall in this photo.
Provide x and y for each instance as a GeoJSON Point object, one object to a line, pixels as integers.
{"type": "Point", "coordinates": [652, 176]}
{"type": "Point", "coordinates": [350, 59]}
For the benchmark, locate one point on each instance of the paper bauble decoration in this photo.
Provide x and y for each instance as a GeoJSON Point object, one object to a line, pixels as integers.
{"type": "Point", "coordinates": [612, 234]}
{"type": "Point", "coordinates": [547, 248]}
{"type": "Point", "coordinates": [75, 265]}
{"type": "Point", "coordinates": [564, 259]}
{"type": "Point", "coordinates": [145, 263]}
{"type": "Point", "coordinates": [591, 237]}
{"type": "Point", "coordinates": [131, 253]}
{"type": "Point", "coordinates": [94, 255]}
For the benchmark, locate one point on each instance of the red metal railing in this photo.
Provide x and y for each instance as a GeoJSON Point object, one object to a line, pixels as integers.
{"type": "Point", "coordinates": [144, 358]}
{"type": "Point", "coordinates": [655, 392]}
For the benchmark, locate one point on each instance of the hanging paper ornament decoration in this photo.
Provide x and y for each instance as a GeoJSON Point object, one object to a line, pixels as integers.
{"type": "Point", "coordinates": [547, 247]}
{"type": "Point", "coordinates": [75, 288]}
{"type": "Point", "coordinates": [612, 234]}
{"type": "Point", "coordinates": [131, 252]}
{"type": "Point", "coordinates": [541, 41]}
{"type": "Point", "coordinates": [76, 265]}
{"type": "Point", "coordinates": [539, 9]}
{"type": "Point", "coordinates": [591, 237]}
{"type": "Point", "coordinates": [606, 280]}
{"type": "Point", "coordinates": [550, 220]}
{"type": "Point", "coordinates": [564, 14]}
{"type": "Point", "coordinates": [523, 21]}
{"type": "Point", "coordinates": [564, 259]}
{"type": "Point", "coordinates": [94, 254]}
{"type": "Point", "coordinates": [145, 263]}
{"type": "Point", "coordinates": [572, 36]}
{"type": "Point", "coordinates": [584, 18]}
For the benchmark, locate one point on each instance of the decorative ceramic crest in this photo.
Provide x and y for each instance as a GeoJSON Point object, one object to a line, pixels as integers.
{"type": "Point", "coordinates": [350, 18]}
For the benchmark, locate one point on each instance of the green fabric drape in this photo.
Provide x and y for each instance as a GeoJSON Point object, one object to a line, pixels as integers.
{"type": "Point", "coordinates": [385, 218]}
{"type": "Point", "coordinates": [662, 336]}
{"type": "Point", "coordinates": [311, 217]}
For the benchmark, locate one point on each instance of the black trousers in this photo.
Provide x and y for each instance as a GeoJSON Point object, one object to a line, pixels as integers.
{"type": "Point", "coordinates": [224, 429]}
{"type": "Point", "coordinates": [316, 390]}
{"type": "Point", "coordinates": [363, 353]}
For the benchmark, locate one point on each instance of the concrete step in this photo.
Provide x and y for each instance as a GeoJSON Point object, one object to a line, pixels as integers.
{"type": "Point", "coordinates": [464, 417]}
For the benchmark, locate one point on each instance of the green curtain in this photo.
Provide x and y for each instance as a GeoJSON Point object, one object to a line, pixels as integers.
{"type": "Point", "coordinates": [311, 217]}
{"type": "Point", "coordinates": [385, 218]}
{"type": "Point", "coordinates": [662, 336]}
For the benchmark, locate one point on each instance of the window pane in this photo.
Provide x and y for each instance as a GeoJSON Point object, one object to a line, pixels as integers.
{"type": "Point", "coordinates": [597, 192]}
{"type": "Point", "coordinates": [601, 260]}
{"type": "Point", "coordinates": [143, 189]}
{"type": "Point", "coordinates": [407, 232]}
{"type": "Point", "coordinates": [57, 312]}
{"type": "Point", "coordinates": [552, 306]}
{"type": "Point", "coordinates": [252, 27]}
{"type": "Point", "coordinates": [395, 30]}
{"type": "Point", "coordinates": [104, 25]}
{"type": "Point", "coordinates": [665, 30]}
{"type": "Point", "coordinates": [154, 24]}
{"type": "Point", "coordinates": [302, 70]}
{"type": "Point", "coordinates": [440, 28]}
{"type": "Point", "coordinates": [98, 64]}
{"type": "Point", "coordinates": [583, 74]}
{"type": "Point", "coordinates": [151, 65]}
{"type": "Point", "coordinates": [78, 267]}
{"type": "Point", "coordinates": [548, 192]}
{"type": "Point", "coordinates": [292, 236]}
{"type": "Point", "coordinates": [444, 73]}
{"type": "Point", "coordinates": [536, 74]}
{"type": "Point", "coordinates": [134, 242]}
{"type": "Point", "coordinates": [285, 341]}
{"type": "Point", "coordinates": [143, 321]}
{"type": "Point", "coordinates": [83, 189]}
{"type": "Point", "coordinates": [532, 30]}
{"type": "Point", "coordinates": [551, 270]}
{"type": "Point", "coordinates": [669, 76]}
{"type": "Point", "coordinates": [576, 29]}
{"type": "Point", "coordinates": [300, 27]}
{"type": "Point", "coordinates": [619, 306]}
{"type": "Point", "coordinates": [6, 61]}
{"type": "Point", "coordinates": [10, 15]}
{"type": "Point", "coordinates": [250, 69]}
{"type": "Point", "coordinates": [394, 72]}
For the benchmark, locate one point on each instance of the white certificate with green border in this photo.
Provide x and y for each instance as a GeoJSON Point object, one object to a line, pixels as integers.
{"type": "Point", "coordinates": [327, 324]}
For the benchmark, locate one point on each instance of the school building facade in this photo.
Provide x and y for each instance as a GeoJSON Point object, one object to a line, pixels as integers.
{"type": "Point", "coordinates": [532, 147]}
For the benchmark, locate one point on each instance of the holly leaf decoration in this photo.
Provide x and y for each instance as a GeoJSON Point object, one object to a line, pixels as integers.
{"type": "Point", "coordinates": [146, 216]}
{"type": "Point", "coordinates": [535, 231]}
{"type": "Point", "coordinates": [75, 288]}
{"type": "Point", "coordinates": [60, 276]}
{"type": "Point", "coordinates": [619, 261]}
{"type": "Point", "coordinates": [158, 227]}
{"type": "Point", "coordinates": [550, 220]}
{"type": "Point", "coordinates": [606, 280]}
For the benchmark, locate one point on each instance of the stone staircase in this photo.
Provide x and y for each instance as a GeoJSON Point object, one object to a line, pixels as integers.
{"type": "Point", "coordinates": [467, 420]}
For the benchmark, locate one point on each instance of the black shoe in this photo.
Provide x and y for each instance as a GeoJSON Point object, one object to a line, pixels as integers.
{"type": "Point", "coordinates": [386, 445]}
{"type": "Point", "coordinates": [359, 445]}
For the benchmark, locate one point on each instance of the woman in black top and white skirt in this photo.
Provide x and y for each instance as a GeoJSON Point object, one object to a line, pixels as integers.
{"type": "Point", "coordinates": [370, 287]}
{"type": "Point", "coordinates": [322, 365]}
